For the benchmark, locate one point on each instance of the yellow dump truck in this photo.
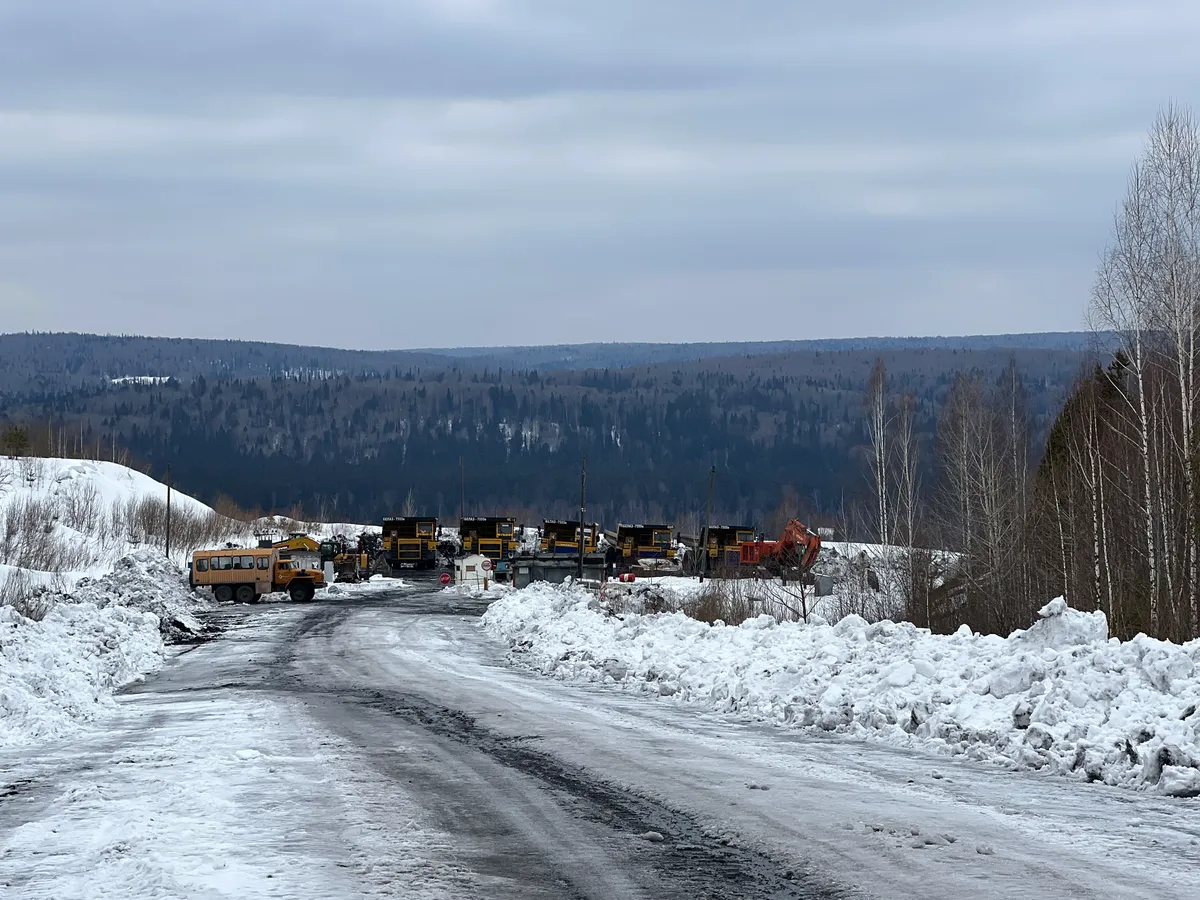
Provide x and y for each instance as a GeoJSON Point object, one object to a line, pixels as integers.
{"type": "Point", "coordinates": [245, 575]}
{"type": "Point", "coordinates": [410, 541]}
{"type": "Point", "coordinates": [562, 536]}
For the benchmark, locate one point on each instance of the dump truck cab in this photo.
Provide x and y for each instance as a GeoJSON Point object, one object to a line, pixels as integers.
{"type": "Point", "coordinates": [410, 541]}
{"type": "Point", "coordinates": [245, 575]}
{"type": "Point", "coordinates": [639, 542]}
{"type": "Point", "coordinates": [725, 545]}
{"type": "Point", "coordinates": [562, 536]}
{"type": "Point", "coordinates": [492, 536]}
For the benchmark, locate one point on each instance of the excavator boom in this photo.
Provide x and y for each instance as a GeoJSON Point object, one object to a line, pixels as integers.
{"type": "Point", "coordinates": [797, 548]}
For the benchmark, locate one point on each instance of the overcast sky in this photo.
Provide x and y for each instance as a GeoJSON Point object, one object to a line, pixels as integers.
{"type": "Point", "coordinates": [381, 173]}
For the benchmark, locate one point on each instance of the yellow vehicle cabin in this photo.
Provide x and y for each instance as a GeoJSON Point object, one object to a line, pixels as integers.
{"type": "Point", "coordinates": [410, 541]}
{"type": "Point", "coordinates": [638, 542]}
{"type": "Point", "coordinates": [725, 545]}
{"type": "Point", "coordinates": [562, 536]}
{"type": "Point", "coordinates": [245, 575]}
{"type": "Point", "coordinates": [492, 536]}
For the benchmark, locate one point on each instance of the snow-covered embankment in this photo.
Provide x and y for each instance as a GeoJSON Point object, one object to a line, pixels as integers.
{"type": "Point", "coordinates": [63, 669]}
{"type": "Point", "coordinates": [1060, 696]}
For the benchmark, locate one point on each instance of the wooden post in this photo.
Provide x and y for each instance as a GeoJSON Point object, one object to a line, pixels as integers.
{"type": "Point", "coordinates": [168, 512]}
{"type": "Point", "coordinates": [707, 523]}
{"type": "Point", "coordinates": [582, 510]}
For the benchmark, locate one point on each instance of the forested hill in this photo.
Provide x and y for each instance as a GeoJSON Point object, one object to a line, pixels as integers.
{"type": "Point", "coordinates": [592, 356]}
{"type": "Point", "coordinates": [48, 362]}
{"type": "Point", "coordinates": [351, 441]}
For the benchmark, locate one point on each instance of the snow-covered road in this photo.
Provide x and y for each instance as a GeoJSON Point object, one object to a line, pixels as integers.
{"type": "Point", "coordinates": [379, 746]}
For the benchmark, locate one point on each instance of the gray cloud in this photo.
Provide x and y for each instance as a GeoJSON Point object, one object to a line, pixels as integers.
{"type": "Point", "coordinates": [495, 171]}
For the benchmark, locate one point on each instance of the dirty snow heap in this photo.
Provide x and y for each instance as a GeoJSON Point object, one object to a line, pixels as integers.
{"type": "Point", "coordinates": [61, 669]}
{"type": "Point", "coordinates": [1060, 696]}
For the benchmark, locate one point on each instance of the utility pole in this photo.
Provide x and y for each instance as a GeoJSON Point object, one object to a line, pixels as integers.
{"type": "Point", "coordinates": [462, 490]}
{"type": "Point", "coordinates": [712, 475]}
{"type": "Point", "coordinates": [168, 512]}
{"type": "Point", "coordinates": [582, 509]}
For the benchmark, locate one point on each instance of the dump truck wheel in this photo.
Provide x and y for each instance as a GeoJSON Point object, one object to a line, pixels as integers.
{"type": "Point", "coordinates": [223, 593]}
{"type": "Point", "coordinates": [245, 594]}
{"type": "Point", "coordinates": [301, 593]}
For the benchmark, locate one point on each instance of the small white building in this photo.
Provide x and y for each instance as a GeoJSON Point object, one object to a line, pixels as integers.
{"type": "Point", "coordinates": [469, 570]}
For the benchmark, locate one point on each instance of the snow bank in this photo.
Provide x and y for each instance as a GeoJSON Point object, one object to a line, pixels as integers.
{"type": "Point", "coordinates": [376, 584]}
{"type": "Point", "coordinates": [63, 670]}
{"type": "Point", "coordinates": [1060, 696]}
{"type": "Point", "coordinates": [146, 580]}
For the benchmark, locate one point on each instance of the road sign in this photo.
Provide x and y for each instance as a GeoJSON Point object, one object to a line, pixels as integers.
{"type": "Point", "coordinates": [486, 565]}
{"type": "Point", "coordinates": [445, 578]}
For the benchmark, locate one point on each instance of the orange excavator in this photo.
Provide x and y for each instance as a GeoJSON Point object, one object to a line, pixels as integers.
{"type": "Point", "coordinates": [796, 549]}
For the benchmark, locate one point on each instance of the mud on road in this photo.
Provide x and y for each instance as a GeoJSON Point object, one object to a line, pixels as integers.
{"type": "Point", "coordinates": [529, 824]}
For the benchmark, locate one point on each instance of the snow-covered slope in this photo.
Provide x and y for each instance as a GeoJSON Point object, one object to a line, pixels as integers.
{"type": "Point", "coordinates": [63, 519]}
{"type": "Point", "coordinates": [1060, 696]}
{"type": "Point", "coordinates": [279, 527]}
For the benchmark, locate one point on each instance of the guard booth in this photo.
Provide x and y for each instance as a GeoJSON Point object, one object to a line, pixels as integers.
{"type": "Point", "coordinates": [410, 541]}
{"type": "Point", "coordinates": [492, 536]}
{"type": "Point", "coordinates": [561, 536]}
{"type": "Point", "coordinates": [725, 546]}
{"type": "Point", "coordinates": [469, 570]}
{"type": "Point", "coordinates": [640, 543]}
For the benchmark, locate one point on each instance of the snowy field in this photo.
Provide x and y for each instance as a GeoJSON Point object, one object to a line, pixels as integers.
{"type": "Point", "coordinates": [1059, 697]}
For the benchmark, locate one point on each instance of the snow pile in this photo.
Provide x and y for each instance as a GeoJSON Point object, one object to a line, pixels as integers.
{"type": "Point", "coordinates": [100, 635]}
{"type": "Point", "coordinates": [653, 594]}
{"type": "Point", "coordinates": [64, 669]}
{"type": "Point", "coordinates": [376, 584]}
{"type": "Point", "coordinates": [1060, 696]}
{"type": "Point", "coordinates": [476, 591]}
{"type": "Point", "coordinates": [146, 580]}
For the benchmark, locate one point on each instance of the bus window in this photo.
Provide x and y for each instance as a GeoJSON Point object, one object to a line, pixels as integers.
{"type": "Point", "coordinates": [202, 565]}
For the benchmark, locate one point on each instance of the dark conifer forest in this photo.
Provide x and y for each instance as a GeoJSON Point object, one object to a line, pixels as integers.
{"type": "Point", "coordinates": [347, 435]}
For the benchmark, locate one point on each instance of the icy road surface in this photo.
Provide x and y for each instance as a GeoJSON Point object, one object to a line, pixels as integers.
{"type": "Point", "coordinates": [379, 747]}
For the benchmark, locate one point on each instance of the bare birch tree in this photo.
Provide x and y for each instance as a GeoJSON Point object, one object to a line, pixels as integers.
{"type": "Point", "coordinates": [1173, 167]}
{"type": "Point", "coordinates": [1148, 292]}
{"type": "Point", "coordinates": [907, 478]}
{"type": "Point", "coordinates": [1122, 302]}
{"type": "Point", "coordinates": [877, 424]}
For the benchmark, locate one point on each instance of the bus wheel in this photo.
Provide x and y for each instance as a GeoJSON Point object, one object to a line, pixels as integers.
{"type": "Point", "coordinates": [245, 594]}
{"type": "Point", "coordinates": [223, 593]}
